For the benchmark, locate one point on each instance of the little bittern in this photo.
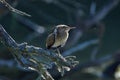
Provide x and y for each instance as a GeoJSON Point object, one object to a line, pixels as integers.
{"type": "Point", "coordinates": [58, 37]}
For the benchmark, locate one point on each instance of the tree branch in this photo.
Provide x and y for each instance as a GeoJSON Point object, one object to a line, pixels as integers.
{"type": "Point", "coordinates": [13, 9]}
{"type": "Point", "coordinates": [35, 58]}
{"type": "Point", "coordinates": [80, 47]}
{"type": "Point", "coordinates": [102, 13]}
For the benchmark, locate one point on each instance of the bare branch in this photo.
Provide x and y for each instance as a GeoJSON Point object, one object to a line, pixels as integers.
{"type": "Point", "coordinates": [102, 13]}
{"type": "Point", "coordinates": [35, 58]}
{"type": "Point", "coordinates": [13, 9]}
{"type": "Point", "coordinates": [30, 24]}
{"type": "Point", "coordinates": [38, 29]}
{"type": "Point", "coordinates": [93, 8]}
{"type": "Point", "coordinates": [80, 47]}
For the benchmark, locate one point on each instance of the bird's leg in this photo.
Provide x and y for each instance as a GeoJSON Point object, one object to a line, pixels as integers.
{"type": "Point", "coordinates": [58, 52]}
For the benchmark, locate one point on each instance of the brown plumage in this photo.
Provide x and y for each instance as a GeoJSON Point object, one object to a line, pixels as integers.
{"type": "Point", "coordinates": [50, 40]}
{"type": "Point", "coordinates": [59, 37]}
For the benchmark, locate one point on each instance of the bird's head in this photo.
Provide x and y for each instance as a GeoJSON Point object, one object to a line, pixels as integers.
{"type": "Point", "coordinates": [63, 28]}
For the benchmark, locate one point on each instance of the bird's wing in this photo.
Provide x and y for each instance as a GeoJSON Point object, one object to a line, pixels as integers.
{"type": "Point", "coordinates": [50, 40]}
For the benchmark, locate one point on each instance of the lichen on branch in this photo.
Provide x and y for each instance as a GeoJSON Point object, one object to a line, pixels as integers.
{"type": "Point", "coordinates": [36, 58]}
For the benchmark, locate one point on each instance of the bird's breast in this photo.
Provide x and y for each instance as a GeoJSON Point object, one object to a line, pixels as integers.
{"type": "Point", "coordinates": [60, 40]}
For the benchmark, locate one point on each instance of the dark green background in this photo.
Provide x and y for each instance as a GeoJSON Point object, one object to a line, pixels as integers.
{"type": "Point", "coordinates": [49, 15]}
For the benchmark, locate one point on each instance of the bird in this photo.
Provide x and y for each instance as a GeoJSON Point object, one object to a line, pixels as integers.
{"type": "Point", "coordinates": [58, 37]}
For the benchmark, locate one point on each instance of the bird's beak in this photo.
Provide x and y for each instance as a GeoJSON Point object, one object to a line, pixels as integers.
{"type": "Point", "coordinates": [72, 27]}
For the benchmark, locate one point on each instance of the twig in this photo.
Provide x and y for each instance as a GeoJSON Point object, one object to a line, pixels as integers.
{"type": "Point", "coordinates": [85, 65]}
{"type": "Point", "coordinates": [95, 19]}
{"type": "Point", "coordinates": [93, 8]}
{"type": "Point", "coordinates": [80, 47]}
{"type": "Point", "coordinates": [13, 9]}
{"type": "Point", "coordinates": [32, 25]}
{"type": "Point", "coordinates": [102, 13]}
{"type": "Point", "coordinates": [34, 58]}
{"type": "Point", "coordinates": [38, 29]}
